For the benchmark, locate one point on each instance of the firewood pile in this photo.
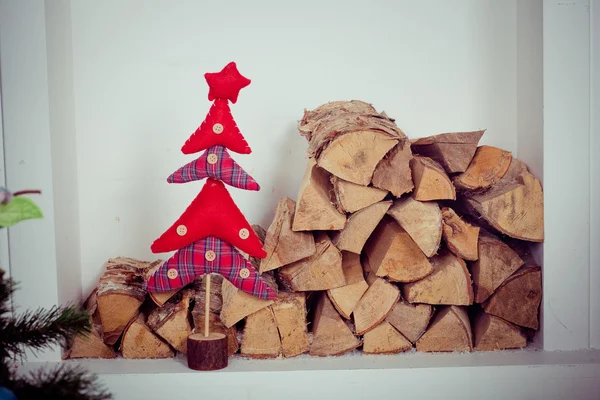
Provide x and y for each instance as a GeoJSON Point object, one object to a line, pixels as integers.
{"type": "Point", "coordinates": [391, 244]}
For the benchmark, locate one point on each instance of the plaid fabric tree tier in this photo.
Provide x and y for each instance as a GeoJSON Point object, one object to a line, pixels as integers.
{"type": "Point", "coordinates": [210, 231]}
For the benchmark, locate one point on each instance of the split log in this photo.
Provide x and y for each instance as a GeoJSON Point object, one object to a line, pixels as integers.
{"type": "Point", "coordinates": [120, 294]}
{"type": "Point", "coordinates": [393, 172]}
{"type": "Point", "coordinates": [359, 227]}
{"type": "Point", "coordinates": [384, 339]}
{"type": "Point", "coordinates": [207, 353]}
{"type": "Point", "coordinates": [261, 338]}
{"type": "Point", "coordinates": [515, 208]}
{"type": "Point", "coordinates": [282, 244]}
{"type": "Point", "coordinates": [140, 342]}
{"type": "Point", "coordinates": [392, 253]}
{"type": "Point", "coordinates": [450, 330]}
{"type": "Point", "coordinates": [421, 220]}
{"type": "Point", "coordinates": [375, 305]}
{"type": "Point", "coordinates": [454, 150]}
{"type": "Point", "coordinates": [349, 138]}
{"type": "Point", "coordinates": [315, 209]}
{"type": "Point", "coordinates": [497, 261]}
{"type": "Point", "coordinates": [215, 298]}
{"type": "Point", "coordinates": [431, 181]}
{"type": "Point", "coordinates": [449, 283]}
{"type": "Point", "coordinates": [460, 236]}
{"type": "Point", "coordinates": [411, 320]}
{"type": "Point", "coordinates": [289, 310]}
{"type": "Point", "coordinates": [215, 325]}
{"type": "Point", "coordinates": [90, 346]}
{"type": "Point", "coordinates": [238, 304]}
{"type": "Point", "coordinates": [351, 197]}
{"type": "Point", "coordinates": [488, 166]}
{"type": "Point", "coordinates": [159, 298]}
{"type": "Point", "coordinates": [493, 333]}
{"type": "Point", "coordinates": [171, 322]}
{"type": "Point", "coordinates": [331, 335]}
{"type": "Point", "coordinates": [518, 299]}
{"type": "Point", "coordinates": [346, 298]}
{"type": "Point", "coordinates": [321, 271]}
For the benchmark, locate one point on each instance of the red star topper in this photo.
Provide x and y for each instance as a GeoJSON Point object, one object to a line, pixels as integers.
{"type": "Point", "coordinates": [226, 84]}
{"type": "Point", "coordinates": [212, 213]}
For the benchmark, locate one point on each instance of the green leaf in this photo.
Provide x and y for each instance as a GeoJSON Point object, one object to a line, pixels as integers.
{"type": "Point", "coordinates": [18, 209]}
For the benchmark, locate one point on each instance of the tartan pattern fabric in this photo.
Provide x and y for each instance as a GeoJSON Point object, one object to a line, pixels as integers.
{"type": "Point", "coordinates": [191, 261]}
{"type": "Point", "coordinates": [204, 137]}
{"type": "Point", "coordinates": [225, 169]}
{"type": "Point", "coordinates": [212, 213]}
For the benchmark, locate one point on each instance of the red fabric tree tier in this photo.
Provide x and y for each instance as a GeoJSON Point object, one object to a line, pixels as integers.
{"type": "Point", "coordinates": [210, 231]}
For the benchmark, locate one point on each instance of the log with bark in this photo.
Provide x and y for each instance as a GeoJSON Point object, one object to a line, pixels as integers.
{"type": "Point", "coordinates": [172, 323]}
{"type": "Point", "coordinates": [207, 353]}
{"type": "Point", "coordinates": [321, 271]}
{"type": "Point", "coordinates": [393, 173]}
{"type": "Point", "coordinates": [349, 139]}
{"type": "Point", "coordinates": [331, 335]}
{"type": "Point", "coordinates": [120, 294]}
{"type": "Point", "coordinates": [359, 227]}
{"type": "Point", "coordinates": [283, 245]}
{"type": "Point", "coordinates": [450, 330]}
{"type": "Point", "coordinates": [390, 252]}
{"type": "Point", "coordinates": [449, 283]}
{"type": "Point", "coordinates": [454, 150]}
{"type": "Point", "coordinates": [351, 197]}
{"type": "Point", "coordinates": [346, 298]}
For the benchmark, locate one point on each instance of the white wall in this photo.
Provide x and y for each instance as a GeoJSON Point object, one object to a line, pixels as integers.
{"type": "Point", "coordinates": [595, 177]}
{"type": "Point", "coordinates": [139, 93]}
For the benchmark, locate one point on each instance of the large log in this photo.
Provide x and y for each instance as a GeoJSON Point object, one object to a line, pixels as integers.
{"type": "Point", "coordinates": [411, 320]}
{"type": "Point", "coordinates": [393, 172]}
{"type": "Point", "coordinates": [454, 150]}
{"type": "Point", "coordinates": [350, 197]}
{"type": "Point", "coordinates": [331, 335]}
{"type": "Point", "coordinates": [460, 236]}
{"type": "Point", "coordinates": [261, 338]}
{"type": "Point", "coordinates": [518, 299]}
{"type": "Point", "coordinates": [449, 283]}
{"type": "Point", "coordinates": [513, 207]}
{"type": "Point", "coordinates": [450, 330]}
{"type": "Point", "coordinates": [349, 138]}
{"type": "Point", "coordinates": [493, 333]}
{"type": "Point", "coordinates": [289, 310]}
{"type": "Point", "coordinates": [346, 298]}
{"type": "Point", "coordinates": [359, 227]}
{"type": "Point", "coordinates": [431, 181]}
{"type": "Point", "coordinates": [140, 342]}
{"type": "Point", "coordinates": [238, 304]}
{"type": "Point", "coordinates": [488, 166]}
{"type": "Point", "coordinates": [497, 261]}
{"type": "Point", "coordinates": [384, 339]}
{"type": "Point", "coordinates": [321, 271]}
{"type": "Point", "coordinates": [375, 305]}
{"type": "Point", "coordinates": [120, 294]}
{"type": "Point", "coordinates": [315, 209]}
{"type": "Point", "coordinates": [282, 244]}
{"type": "Point", "coordinates": [421, 220]}
{"type": "Point", "coordinates": [171, 322]}
{"type": "Point", "coordinates": [390, 252]}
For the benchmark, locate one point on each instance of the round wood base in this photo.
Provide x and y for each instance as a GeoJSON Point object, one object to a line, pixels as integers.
{"type": "Point", "coordinates": [207, 353]}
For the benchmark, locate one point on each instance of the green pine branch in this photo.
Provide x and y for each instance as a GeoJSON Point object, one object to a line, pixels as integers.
{"type": "Point", "coordinates": [42, 328]}
{"type": "Point", "coordinates": [63, 382]}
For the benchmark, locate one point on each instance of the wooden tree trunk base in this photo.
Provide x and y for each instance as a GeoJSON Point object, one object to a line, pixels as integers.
{"type": "Point", "coordinates": [207, 353]}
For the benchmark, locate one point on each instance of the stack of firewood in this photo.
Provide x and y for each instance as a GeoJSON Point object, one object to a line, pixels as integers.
{"type": "Point", "coordinates": [390, 244]}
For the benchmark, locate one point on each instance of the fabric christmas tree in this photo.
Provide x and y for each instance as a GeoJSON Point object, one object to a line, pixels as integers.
{"type": "Point", "coordinates": [210, 231]}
